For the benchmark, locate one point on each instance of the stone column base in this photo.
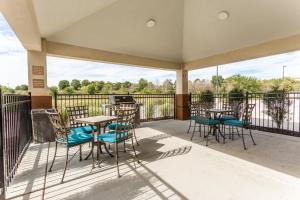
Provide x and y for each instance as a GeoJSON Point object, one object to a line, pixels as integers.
{"type": "Point", "coordinates": [41, 102]}
{"type": "Point", "coordinates": [182, 106]}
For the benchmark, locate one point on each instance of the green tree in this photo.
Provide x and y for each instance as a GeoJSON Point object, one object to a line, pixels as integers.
{"type": "Point", "coordinates": [7, 90]}
{"type": "Point", "coordinates": [168, 87]}
{"type": "Point", "coordinates": [142, 84]}
{"type": "Point", "coordinates": [63, 84]}
{"type": "Point", "coordinates": [85, 83]}
{"type": "Point", "coordinates": [91, 89]}
{"type": "Point", "coordinates": [217, 82]}
{"type": "Point", "coordinates": [99, 86]}
{"type": "Point", "coordinates": [68, 90]}
{"type": "Point", "coordinates": [75, 83]}
{"type": "Point", "coordinates": [22, 87]}
{"type": "Point", "coordinates": [207, 99]}
{"type": "Point", "coordinates": [53, 90]}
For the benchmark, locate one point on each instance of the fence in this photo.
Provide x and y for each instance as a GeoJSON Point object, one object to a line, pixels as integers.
{"type": "Point", "coordinates": [15, 133]}
{"type": "Point", "coordinates": [153, 106]}
{"type": "Point", "coordinates": [273, 112]}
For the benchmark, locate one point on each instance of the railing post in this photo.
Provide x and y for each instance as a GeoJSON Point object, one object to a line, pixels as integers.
{"type": "Point", "coordinates": [174, 99]}
{"type": "Point", "coordinates": [247, 98]}
{"type": "Point", "coordinates": [55, 100]}
{"type": "Point", "coordinates": [2, 186]}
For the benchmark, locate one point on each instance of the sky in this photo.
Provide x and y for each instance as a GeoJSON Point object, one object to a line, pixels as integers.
{"type": "Point", "coordinates": [13, 66]}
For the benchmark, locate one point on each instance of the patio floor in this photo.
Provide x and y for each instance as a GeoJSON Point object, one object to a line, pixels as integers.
{"type": "Point", "coordinates": [172, 167]}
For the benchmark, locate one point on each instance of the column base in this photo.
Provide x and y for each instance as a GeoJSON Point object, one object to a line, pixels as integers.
{"type": "Point", "coordinates": [41, 102]}
{"type": "Point", "coordinates": [182, 106]}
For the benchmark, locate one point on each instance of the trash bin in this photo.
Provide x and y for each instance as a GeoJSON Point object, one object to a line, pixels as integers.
{"type": "Point", "coordinates": [41, 125]}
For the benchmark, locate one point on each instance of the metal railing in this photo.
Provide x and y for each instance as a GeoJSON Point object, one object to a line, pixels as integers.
{"type": "Point", "coordinates": [16, 133]}
{"type": "Point", "coordinates": [273, 112]}
{"type": "Point", "coordinates": [153, 106]}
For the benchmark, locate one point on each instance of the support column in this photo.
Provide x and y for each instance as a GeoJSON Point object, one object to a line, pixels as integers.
{"type": "Point", "coordinates": [182, 96]}
{"type": "Point", "coordinates": [37, 78]}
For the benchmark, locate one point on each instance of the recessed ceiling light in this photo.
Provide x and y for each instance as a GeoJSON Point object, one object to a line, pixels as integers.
{"type": "Point", "coordinates": [150, 23]}
{"type": "Point", "coordinates": [223, 15]}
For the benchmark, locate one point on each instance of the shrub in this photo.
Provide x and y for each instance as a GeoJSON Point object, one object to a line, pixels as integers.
{"type": "Point", "coordinates": [207, 99]}
{"type": "Point", "coordinates": [149, 110]}
{"type": "Point", "coordinates": [277, 103]}
{"type": "Point", "coordinates": [236, 96]}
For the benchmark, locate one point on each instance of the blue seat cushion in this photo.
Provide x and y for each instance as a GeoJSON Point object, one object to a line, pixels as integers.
{"type": "Point", "coordinates": [194, 117]}
{"type": "Point", "coordinates": [110, 137]}
{"type": "Point", "coordinates": [210, 122]}
{"type": "Point", "coordinates": [79, 138]}
{"type": "Point", "coordinates": [227, 117]}
{"type": "Point", "coordinates": [238, 123]}
{"type": "Point", "coordinates": [113, 125]}
{"type": "Point", "coordinates": [84, 129]}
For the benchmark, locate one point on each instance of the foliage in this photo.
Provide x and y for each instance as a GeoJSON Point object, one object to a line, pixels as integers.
{"type": "Point", "coordinates": [236, 95]}
{"type": "Point", "coordinates": [63, 84]}
{"type": "Point", "coordinates": [149, 110]}
{"type": "Point", "coordinates": [207, 99]}
{"type": "Point", "coordinates": [75, 83]}
{"type": "Point", "coordinates": [168, 87]}
{"type": "Point", "coordinates": [85, 83]}
{"type": "Point", "coordinates": [217, 81]}
{"type": "Point", "coordinates": [68, 90]}
{"type": "Point", "coordinates": [7, 90]}
{"type": "Point", "coordinates": [53, 90]}
{"type": "Point", "coordinates": [277, 103]}
{"type": "Point", "coordinates": [22, 87]}
{"type": "Point", "coordinates": [91, 89]}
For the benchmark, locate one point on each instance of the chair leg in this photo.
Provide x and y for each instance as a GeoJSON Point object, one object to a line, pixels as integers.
{"type": "Point", "coordinates": [188, 131]}
{"type": "Point", "coordinates": [55, 151]}
{"type": "Point", "coordinates": [243, 139]}
{"type": "Point", "coordinates": [124, 146]}
{"type": "Point", "coordinates": [200, 131]}
{"type": "Point", "coordinates": [80, 153]}
{"type": "Point", "coordinates": [93, 158]}
{"type": "Point", "coordinates": [193, 133]}
{"type": "Point", "coordinates": [252, 137]}
{"type": "Point", "coordinates": [117, 158]}
{"type": "Point", "coordinates": [66, 164]}
{"type": "Point", "coordinates": [135, 137]}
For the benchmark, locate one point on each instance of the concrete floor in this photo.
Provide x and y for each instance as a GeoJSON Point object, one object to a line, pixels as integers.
{"type": "Point", "coordinates": [172, 167]}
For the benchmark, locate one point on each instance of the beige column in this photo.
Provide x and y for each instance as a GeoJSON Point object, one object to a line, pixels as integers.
{"type": "Point", "coordinates": [37, 78]}
{"type": "Point", "coordinates": [182, 96]}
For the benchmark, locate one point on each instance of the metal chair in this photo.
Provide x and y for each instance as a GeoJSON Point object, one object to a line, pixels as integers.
{"type": "Point", "coordinates": [194, 111]}
{"type": "Point", "coordinates": [112, 126]}
{"type": "Point", "coordinates": [123, 131]}
{"type": "Point", "coordinates": [244, 122]}
{"type": "Point", "coordinates": [64, 137]}
{"type": "Point", "coordinates": [76, 112]}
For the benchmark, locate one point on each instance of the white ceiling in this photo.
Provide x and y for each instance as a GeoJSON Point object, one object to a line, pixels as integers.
{"type": "Point", "coordinates": [186, 29]}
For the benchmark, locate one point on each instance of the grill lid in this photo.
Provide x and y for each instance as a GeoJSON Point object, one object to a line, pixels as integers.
{"type": "Point", "coordinates": [118, 99]}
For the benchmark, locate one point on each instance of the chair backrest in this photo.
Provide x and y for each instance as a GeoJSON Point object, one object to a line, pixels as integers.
{"type": "Point", "coordinates": [247, 113]}
{"type": "Point", "coordinates": [59, 127]}
{"type": "Point", "coordinates": [236, 107]}
{"type": "Point", "coordinates": [76, 112]}
{"type": "Point", "coordinates": [125, 121]}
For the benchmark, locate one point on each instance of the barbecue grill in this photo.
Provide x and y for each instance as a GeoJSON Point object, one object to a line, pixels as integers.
{"type": "Point", "coordinates": [120, 100]}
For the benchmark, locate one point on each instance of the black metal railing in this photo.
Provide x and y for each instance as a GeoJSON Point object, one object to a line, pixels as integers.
{"type": "Point", "coordinates": [273, 112]}
{"type": "Point", "coordinates": [16, 132]}
{"type": "Point", "coordinates": [153, 106]}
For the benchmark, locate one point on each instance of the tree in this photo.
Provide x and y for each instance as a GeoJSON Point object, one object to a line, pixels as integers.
{"type": "Point", "coordinates": [53, 90]}
{"type": "Point", "coordinates": [7, 90]}
{"type": "Point", "coordinates": [168, 87]}
{"type": "Point", "coordinates": [236, 96]}
{"type": "Point", "coordinates": [277, 103]}
{"type": "Point", "coordinates": [91, 89]}
{"type": "Point", "coordinates": [244, 83]}
{"type": "Point", "coordinates": [63, 84]}
{"type": "Point", "coordinates": [68, 90]}
{"type": "Point", "coordinates": [142, 84]}
{"type": "Point", "coordinates": [207, 99]}
{"type": "Point", "coordinates": [85, 83]}
{"type": "Point", "coordinates": [76, 84]}
{"type": "Point", "coordinates": [99, 86]}
{"type": "Point", "coordinates": [217, 82]}
{"type": "Point", "coordinates": [22, 87]}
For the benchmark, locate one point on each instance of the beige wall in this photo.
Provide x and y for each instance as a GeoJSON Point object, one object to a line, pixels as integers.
{"type": "Point", "coordinates": [181, 82]}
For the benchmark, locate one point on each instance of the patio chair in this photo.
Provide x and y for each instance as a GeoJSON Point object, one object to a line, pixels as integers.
{"type": "Point", "coordinates": [68, 139]}
{"type": "Point", "coordinates": [112, 126]}
{"type": "Point", "coordinates": [124, 130]}
{"type": "Point", "coordinates": [194, 110]}
{"type": "Point", "coordinates": [243, 123]}
{"type": "Point", "coordinates": [204, 120]}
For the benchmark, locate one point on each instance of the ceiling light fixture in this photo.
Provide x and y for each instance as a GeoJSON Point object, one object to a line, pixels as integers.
{"type": "Point", "coordinates": [223, 15]}
{"type": "Point", "coordinates": [150, 23]}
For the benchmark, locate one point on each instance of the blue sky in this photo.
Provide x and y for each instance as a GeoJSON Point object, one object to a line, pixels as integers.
{"type": "Point", "coordinates": [13, 66]}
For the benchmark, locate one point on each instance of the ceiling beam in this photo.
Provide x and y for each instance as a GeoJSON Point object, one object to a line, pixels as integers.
{"type": "Point", "coordinates": [278, 46]}
{"type": "Point", "coordinates": [21, 17]}
{"type": "Point", "coordinates": [77, 52]}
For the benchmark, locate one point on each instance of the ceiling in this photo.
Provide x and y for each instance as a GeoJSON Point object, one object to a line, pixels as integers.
{"type": "Point", "coordinates": [186, 30]}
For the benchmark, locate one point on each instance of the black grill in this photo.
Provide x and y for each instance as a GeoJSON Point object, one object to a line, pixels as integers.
{"type": "Point", "coordinates": [121, 99]}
